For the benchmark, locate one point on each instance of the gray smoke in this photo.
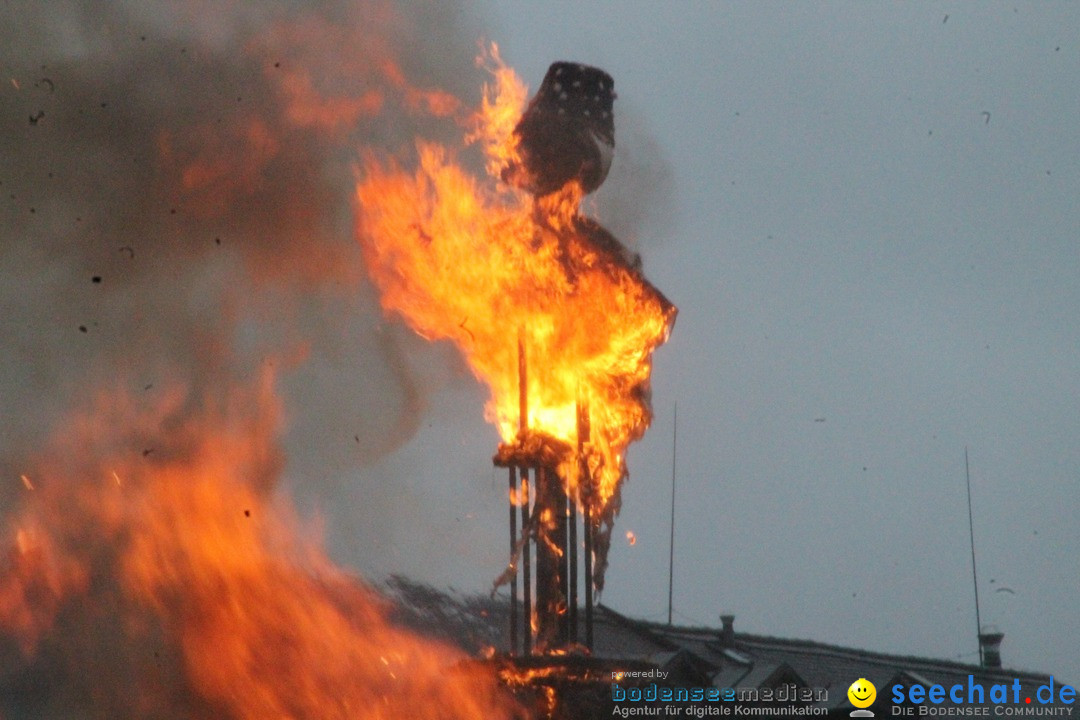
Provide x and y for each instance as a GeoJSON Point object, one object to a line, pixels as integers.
{"type": "Point", "coordinates": [176, 185]}
{"type": "Point", "coordinates": [176, 220]}
{"type": "Point", "coordinates": [637, 202]}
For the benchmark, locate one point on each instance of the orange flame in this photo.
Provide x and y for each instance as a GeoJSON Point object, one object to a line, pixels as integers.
{"type": "Point", "coordinates": [472, 261]}
{"type": "Point", "coordinates": [500, 108]}
{"type": "Point", "coordinates": [190, 571]}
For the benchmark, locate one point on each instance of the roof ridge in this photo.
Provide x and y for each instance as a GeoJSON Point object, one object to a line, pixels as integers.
{"type": "Point", "coordinates": [798, 644]}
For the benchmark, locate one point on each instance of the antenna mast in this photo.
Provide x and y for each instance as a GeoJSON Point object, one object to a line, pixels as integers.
{"type": "Point", "coordinates": [671, 544]}
{"type": "Point", "coordinates": [974, 575]}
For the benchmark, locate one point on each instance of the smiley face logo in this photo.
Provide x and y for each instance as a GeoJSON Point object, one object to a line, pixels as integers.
{"type": "Point", "coordinates": [862, 693]}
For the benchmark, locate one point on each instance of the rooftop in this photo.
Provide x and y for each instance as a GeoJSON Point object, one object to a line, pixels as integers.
{"type": "Point", "coordinates": [704, 656]}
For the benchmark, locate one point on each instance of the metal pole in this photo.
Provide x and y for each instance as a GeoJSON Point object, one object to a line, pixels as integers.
{"type": "Point", "coordinates": [526, 565]}
{"type": "Point", "coordinates": [586, 506]}
{"type": "Point", "coordinates": [549, 510]}
{"type": "Point", "coordinates": [671, 543]}
{"type": "Point", "coordinates": [974, 575]}
{"type": "Point", "coordinates": [526, 562]}
{"type": "Point", "coordinates": [562, 576]}
{"type": "Point", "coordinates": [513, 546]}
{"type": "Point", "coordinates": [585, 488]}
{"type": "Point", "coordinates": [573, 562]}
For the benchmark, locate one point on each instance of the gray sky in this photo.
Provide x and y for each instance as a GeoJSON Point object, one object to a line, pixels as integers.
{"type": "Point", "coordinates": [872, 273]}
{"type": "Point", "coordinates": [848, 239]}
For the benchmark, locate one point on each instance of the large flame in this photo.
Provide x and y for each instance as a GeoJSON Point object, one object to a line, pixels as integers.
{"type": "Point", "coordinates": [467, 259]}
{"type": "Point", "coordinates": [178, 571]}
{"type": "Point", "coordinates": [149, 569]}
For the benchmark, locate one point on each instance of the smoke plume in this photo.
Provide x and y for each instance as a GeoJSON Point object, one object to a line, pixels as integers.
{"type": "Point", "coordinates": [181, 284]}
{"type": "Point", "coordinates": [176, 194]}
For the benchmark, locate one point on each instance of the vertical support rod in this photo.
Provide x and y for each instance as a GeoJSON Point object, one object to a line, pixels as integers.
{"type": "Point", "coordinates": [514, 496]}
{"type": "Point", "coordinates": [582, 419]}
{"type": "Point", "coordinates": [585, 490]}
{"type": "Point", "coordinates": [572, 553]}
{"type": "Point", "coordinates": [587, 523]}
{"type": "Point", "coordinates": [562, 578]}
{"type": "Point", "coordinates": [544, 572]}
{"type": "Point", "coordinates": [526, 562]}
{"type": "Point", "coordinates": [526, 566]}
{"type": "Point", "coordinates": [549, 519]}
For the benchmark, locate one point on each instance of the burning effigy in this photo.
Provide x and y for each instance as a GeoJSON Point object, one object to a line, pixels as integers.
{"type": "Point", "coordinates": [552, 313]}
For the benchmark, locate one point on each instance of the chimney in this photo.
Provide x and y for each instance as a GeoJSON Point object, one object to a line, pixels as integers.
{"type": "Point", "coordinates": [990, 645]}
{"type": "Point", "coordinates": [727, 631]}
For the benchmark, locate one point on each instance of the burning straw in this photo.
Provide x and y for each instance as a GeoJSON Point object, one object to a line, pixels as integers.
{"type": "Point", "coordinates": [483, 264]}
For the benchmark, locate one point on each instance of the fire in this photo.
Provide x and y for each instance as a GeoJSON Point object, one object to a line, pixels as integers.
{"type": "Point", "coordinates": [500, 109]}
{"type": "Point", "coordinates": [470, 260]}
{"type": "Point", "coordinates": [150, 569]}
{"type": "Point", "coordinates": [189, 580]}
